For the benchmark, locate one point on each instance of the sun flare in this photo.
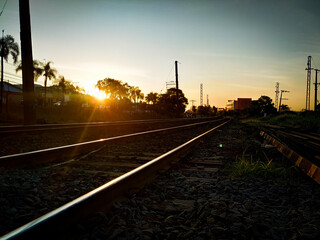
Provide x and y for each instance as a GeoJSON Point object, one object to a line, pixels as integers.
{"type": "Point", "coordinates": [95, 92]}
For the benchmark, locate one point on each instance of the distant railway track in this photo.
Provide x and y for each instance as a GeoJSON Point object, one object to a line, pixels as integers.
{"type": "Point", "coordinates": [21, 139]}
{"type": "Point", "coordinates": [68, 152]}
{"type": "Point", "coordinates": [301, 148]}
{"type": "Point", "coordinates": [132, 164]}
{"type": "Point", "coordinates": [18, 129]}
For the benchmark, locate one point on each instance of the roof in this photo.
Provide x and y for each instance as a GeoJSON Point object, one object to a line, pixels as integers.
{"type": "Point", "coordinates": [8, 87]}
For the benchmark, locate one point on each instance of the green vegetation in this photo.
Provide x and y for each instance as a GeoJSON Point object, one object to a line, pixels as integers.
{"type": "Point", "coordinates": [253, 165]}
{"type": "Point", "coordinates": [308, 120]}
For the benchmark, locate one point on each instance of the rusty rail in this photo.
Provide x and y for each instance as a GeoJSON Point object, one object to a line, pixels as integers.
{"type": "Point", "coordinates": [305, 165]}
{"type": "Point", "coordinates": [50, 225]}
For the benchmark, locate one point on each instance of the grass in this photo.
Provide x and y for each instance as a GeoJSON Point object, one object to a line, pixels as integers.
{"type": "Point", "coordinates": [308, 121]}
{"type": "Point", "coordinates": [253, 165]}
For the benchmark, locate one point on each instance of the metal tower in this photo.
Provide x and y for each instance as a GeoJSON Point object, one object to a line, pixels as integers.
{"type": "Point", "coordinates": [316, 90]}
{"type": "Point", "coordinates": [201, 94]}
{"type": "Point", "coordinates": [277, 96]}
{"type": "Point", "coordinates": [308, 83]}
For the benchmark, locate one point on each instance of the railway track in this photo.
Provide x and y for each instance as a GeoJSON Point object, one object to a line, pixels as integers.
{"type": "Point", "coordinates": [21, 139]}
{"type": "Point", "coordinates": [301, 148]}
{"type": "Point", "coordinates": [18, 129]}
{"type": "Point", "coordinates": [125, 167]}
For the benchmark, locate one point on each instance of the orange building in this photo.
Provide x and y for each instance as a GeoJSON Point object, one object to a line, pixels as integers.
{"type": "Point", "coordinates": [243, 103]}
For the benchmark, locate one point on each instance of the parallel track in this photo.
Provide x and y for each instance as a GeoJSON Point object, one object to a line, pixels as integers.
{"type": "Point", "coordinates": [102, 197]}
{"type": "Point", "coordinates": [18, 129]}
{"type": "Point", "coordinates": [301, 148]}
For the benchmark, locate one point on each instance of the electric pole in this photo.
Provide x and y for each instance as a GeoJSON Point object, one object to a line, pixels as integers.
{"type": "Point", "coordinates": [201, 94]}
{"type": "Point", "coordinates": [177, 85]}
{"type": "Point", "coordinates": [308, 83]}
{"type": "Point", "coordinates": [282, 91]}
{"type": "Point", "coordinates": [207, 100]}
{"type": "Point", "coordinates": [27, 62]}
{"type": "Point", "coordinates": [277, 95]}
{"type": "Point", "coordinates": [1, 74]}
{"type": "Point", "coordinates": [316, 90]}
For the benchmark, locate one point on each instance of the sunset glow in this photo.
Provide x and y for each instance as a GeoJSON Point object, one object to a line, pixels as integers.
{"type": "Point", "coordinates": [96, 93]}
{"type": "Point", "coordinates": [236, 49]}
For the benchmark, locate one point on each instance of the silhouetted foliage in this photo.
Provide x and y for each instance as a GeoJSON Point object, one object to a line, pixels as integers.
{"type": "Point", "coordinates": [169, 104]}
{"type": "Point", "coordinates": [37, 70]}
{"type": "Point", "coordinates": [49, 73]}
{"type": "Point", "coordinates": [284, 108]}
{"type": "Point", "coordinates": [7, 47]}
{"type": "Point", "coordinates": [135, 94]}
{"type": "Point", "coordinates": [152, 97]}
{"type": "Point", "coordinates": [262, 105]}
{"type": "Point", "coordinates": [115, 89]}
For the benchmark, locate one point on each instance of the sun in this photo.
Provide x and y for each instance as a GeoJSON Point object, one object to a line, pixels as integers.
{"type": "Point", "coordinates": [100, 95]}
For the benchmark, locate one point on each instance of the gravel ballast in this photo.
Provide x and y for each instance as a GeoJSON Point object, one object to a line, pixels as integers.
{"type": "Point", "coordinates": [221, 207]}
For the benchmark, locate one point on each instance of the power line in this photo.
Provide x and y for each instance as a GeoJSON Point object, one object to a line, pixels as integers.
{"type": "Point", "coordinates": [12, 75]}
{"type": "Point", "coordinates": [5, 3]}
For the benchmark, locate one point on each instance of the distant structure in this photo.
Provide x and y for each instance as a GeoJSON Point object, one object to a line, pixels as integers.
{"type": "Point", "coordinates": [308, 83]}
{"type": "Point", "coordinates": [281, 98]}
{"type": "Point", "coordinates": [207, 100]}
{"type": "Point", "coordinates": [201, 94]}
{"type": "Point", "coordinates": [239, 104]}
{"type": "Point", "coordinates": [277, 96]}
{"type": "Point", "coordinates": [192, 102]}
{"type": "Point", "coordinates": [316, 90]}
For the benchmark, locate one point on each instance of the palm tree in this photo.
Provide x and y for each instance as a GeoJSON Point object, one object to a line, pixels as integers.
{"type": "Point", "coordinates": [62, 84]}
{"type": "Point", "coordinates": [135, 94]}
{"type": "Point", "coordinates": [7, 47]}
{"type": "Point", "coordinates": [152, 97]}
{"type": "Point", "coordinates": [48, 73]}
{"type": "Point", "coordinates": [37, 70]}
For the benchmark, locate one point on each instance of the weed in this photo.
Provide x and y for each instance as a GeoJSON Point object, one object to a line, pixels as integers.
{"type": "Point", "coordinates": [252, 165]}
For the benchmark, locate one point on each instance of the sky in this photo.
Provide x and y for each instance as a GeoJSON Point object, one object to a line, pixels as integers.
{"type": "Point", "coordinates": [235, 48]}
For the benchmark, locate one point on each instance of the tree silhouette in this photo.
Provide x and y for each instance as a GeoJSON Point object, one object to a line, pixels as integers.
{"type": "Point", "coordinates": [135, 94]}
{"type": "Point", "coordinates": [284, 108]}
{"type": "Point", "coordinates": [152, 97]}
{"type": "Point", "coordinates": [49, 74]}
{"type": "Point", "coordinates": [170, 104]}
{"type": "Point", "coordinates": [37, 70]}
{"type": "Point", "coordinates": [7, 47]}
{"type": "Point", "coordinates": [115, 89]}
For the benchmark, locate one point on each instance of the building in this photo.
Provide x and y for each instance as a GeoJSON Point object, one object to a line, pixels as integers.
{"type": "Point", "coordinates": [243, 103]}
{"type": "Point", "coordinates": [11, 93]}
{"type": "Point", "coordinates": [231, 105]}
{"type": "Point", "coordinates": [239, 104]}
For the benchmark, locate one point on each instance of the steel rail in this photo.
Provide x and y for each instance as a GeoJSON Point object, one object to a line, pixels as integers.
{"type": "Point", "coordinates": [47, 127]}
{"type": "Point", "coordinates": [54, 223]}
{"type": "Point", "coordinates": [304, 164]}
{"type": "Point", "coordinates": [67, 152]}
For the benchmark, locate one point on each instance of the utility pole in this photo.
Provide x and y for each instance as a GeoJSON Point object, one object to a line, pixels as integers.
{"type": "Point", "coordinates": [207, 100]}
{"type": "Point", "coordinates": [277, 95]}
{"type": "Point", "coordinates": [1, 75]}
{"type": "Point", "coordinates": [177, 85]}
{"type": "Point", "coordinates": [282, 91]}
{"type": "Point", "coordinates": [201, 94]}
{"type": "Point", "coordinates": [27, 62]}
{"type": "Point", "coordinates": [308, 83]}
{"type": "Point", "coordinates": [316, 90]}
